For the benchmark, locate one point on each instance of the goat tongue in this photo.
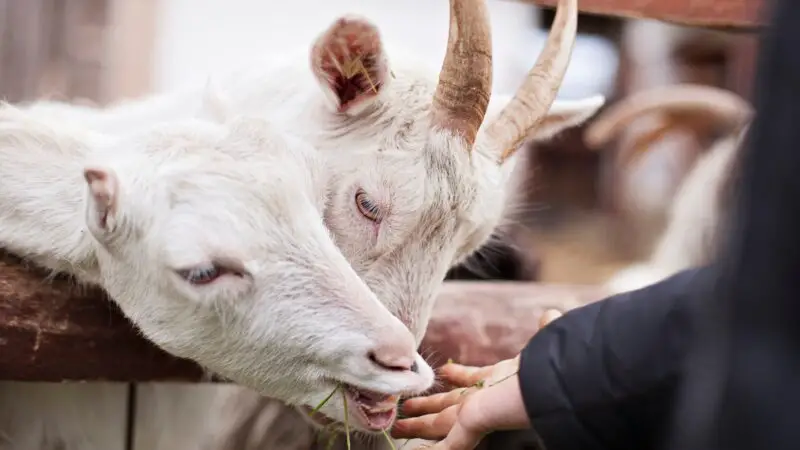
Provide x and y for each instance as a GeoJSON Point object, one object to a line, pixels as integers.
{"type": "Point", "coordinates": [379, 410]}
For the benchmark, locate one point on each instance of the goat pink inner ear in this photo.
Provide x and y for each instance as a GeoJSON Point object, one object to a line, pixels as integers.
{"type": "Point", "coordinates": [103, 187]}
{"type": "Point", "coordinates": [349, 61]}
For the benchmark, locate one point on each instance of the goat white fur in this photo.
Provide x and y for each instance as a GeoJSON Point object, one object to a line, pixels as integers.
{"type": "Point", "coordinates": [693, 226]}
{"type": "Point", "coordinates": [415, 185]}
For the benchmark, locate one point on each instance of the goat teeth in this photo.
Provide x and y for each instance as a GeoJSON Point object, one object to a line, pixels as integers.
{"type": "Point", "coordinates": [379, 409]}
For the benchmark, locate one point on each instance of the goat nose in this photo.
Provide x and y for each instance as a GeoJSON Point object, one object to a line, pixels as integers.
{"type": "Point", "coordinates": [392, 356]}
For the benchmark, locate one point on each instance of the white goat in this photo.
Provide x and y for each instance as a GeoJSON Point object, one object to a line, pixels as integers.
{"type": "Point", "coordinates": [690, 237]}
{"type": "Point", "coordinates": [418, 181]}
{"type": "Point", "coordinates": [221, 227]}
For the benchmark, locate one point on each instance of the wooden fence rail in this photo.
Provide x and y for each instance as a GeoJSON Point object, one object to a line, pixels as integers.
{"type": "Point", "coordinates": [51, 330]}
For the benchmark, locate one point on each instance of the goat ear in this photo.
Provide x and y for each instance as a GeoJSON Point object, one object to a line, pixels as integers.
{"type": "Point", "coordinates": [101, 208]}
{"type": "Point", "coordinates": [566, 114]}
{"type": "Point", "coordinates": [215, 106]}
{"type": "Point", "coordinates": [350, 64]}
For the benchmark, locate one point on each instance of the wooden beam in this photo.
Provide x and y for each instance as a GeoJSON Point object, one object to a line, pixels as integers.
{"type": "Point", "coordinates": [54, 331]}
{"type": "Point", "coordinates": [745, 15]}
{"type": "Point", "coordinates": [480, 323]}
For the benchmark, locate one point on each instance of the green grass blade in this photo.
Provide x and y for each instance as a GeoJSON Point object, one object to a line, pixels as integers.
{"type": "Point", "coordinates": [389, 439]}
{"type": "Point", "coordinates": [324, 402]}
{"type": "Point", "coordinates": [346, 420]}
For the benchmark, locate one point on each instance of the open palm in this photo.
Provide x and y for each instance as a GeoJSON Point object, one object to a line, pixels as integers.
{"type": "Point", "coordinates": [485, 399]}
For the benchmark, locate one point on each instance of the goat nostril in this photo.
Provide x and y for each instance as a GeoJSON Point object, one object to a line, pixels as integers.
{"type": "Point", "coordinates": [414, 367]}
{"type": "Point", "coordinates": [374, 359]}
{"type": "Point", "coordinates": [391, 363]}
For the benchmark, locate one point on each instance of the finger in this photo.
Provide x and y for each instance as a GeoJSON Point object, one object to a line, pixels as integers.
{"type": "Point", "coordinates": [431, 426]}
{"type": "Point", "coordinates": [549, 316]}
{"type": "Point", "coordinates": [464, 376]}
{"type": "Point", "coordinates": [432, 404]}
{"type": "Point", "coordinates": [476, 417]}
{"type": "Point", "coordinates": [434, 446]}
{"type": "Point", "coordinates": [499, 407]}
{"type": "Point", "coordinates": [461, 438]}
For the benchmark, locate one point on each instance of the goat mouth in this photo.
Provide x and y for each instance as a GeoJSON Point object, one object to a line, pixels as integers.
{"type": "Point", "coordinates": [370, 411]}
{"type": "Point", "coordinates": [376, 411]}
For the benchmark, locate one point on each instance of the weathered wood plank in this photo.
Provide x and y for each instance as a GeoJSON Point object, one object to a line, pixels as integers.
{"type": "Point", "coordinates": [730, 14]}
{"type": "Point", "coordinates": [479, 323]}
{"type": "Point", "coordinates": [54, 331]}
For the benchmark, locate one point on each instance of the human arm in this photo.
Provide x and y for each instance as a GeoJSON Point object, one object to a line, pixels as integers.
{"type": "Point", "coordinates": [605, 376]}
{"type": "Point", "coordinates": [600, 377]}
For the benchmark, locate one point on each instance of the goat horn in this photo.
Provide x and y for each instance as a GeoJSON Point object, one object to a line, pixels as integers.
{"type": "Point", "coordinates": [465, 81]}
{"type": "Point", "coordinates": [538, 92]}
{"type": "Point", "coordinates": [720, 105]}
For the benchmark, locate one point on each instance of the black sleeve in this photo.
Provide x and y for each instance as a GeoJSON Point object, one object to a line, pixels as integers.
{"type": "Point", "coordinates": [604, 376]}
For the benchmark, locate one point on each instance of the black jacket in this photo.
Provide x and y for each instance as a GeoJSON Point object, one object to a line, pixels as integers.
{"type": "Point", "coordinates": [605, 376]}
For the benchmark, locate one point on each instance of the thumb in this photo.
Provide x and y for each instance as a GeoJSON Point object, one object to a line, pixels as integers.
{"type": "Point", "coordinates": [498, 407]}
{"type": "Point", "coordinates": [549, 316]}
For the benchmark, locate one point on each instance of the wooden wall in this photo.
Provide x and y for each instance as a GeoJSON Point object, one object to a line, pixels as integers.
{"type": "Point", "coordinates": [76, 50]}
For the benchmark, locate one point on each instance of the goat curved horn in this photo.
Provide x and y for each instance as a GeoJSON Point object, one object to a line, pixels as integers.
{"type": "Point", "coordinates": [537, 93]}
{"type": "Point", "coordinates": [719, 105]}
{"type": "Point", "coordinates": [465, 81]}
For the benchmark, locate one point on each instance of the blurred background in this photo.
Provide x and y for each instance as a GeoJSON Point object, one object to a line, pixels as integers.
{"type": "Point", "coordinates": [581, 215]}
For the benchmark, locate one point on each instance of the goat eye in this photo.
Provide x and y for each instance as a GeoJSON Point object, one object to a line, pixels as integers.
{"type": "Point", "coordinates": [367, 207]}
{"type": "Point", "coordinates": [201, 275]}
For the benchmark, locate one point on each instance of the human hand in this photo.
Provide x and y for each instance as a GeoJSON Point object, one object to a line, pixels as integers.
{"type": "Point", "coordinates": [486, 399]}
